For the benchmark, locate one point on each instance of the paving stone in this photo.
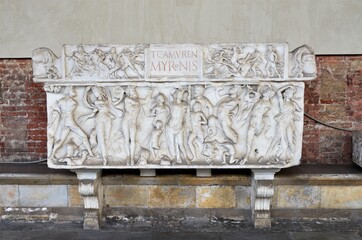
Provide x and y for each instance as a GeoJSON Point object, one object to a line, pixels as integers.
{"type": "Point", "coordinates": [184, 236]}
{"type": "Point", "coordinates": [98, 235]}
{"type": "Point", "coordinates": [254, 236]}
{"type": "Point", "coordinates": [39, 235]}
{"type": "Point", "coordinates": [325, 235]}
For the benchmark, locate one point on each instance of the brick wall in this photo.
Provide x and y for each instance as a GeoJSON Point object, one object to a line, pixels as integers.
{"type": "Point", "coordinates": [22, 112]}
{"type": "Point", "coordinates": [335, 97]}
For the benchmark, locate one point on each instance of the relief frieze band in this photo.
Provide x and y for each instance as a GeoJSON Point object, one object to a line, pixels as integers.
{"type": "Point", "coordinates": [221, 125]}
{"type": "Point", "coordinates": [175, 105]}
{"type": "Point", "coordinates": [172, 62]}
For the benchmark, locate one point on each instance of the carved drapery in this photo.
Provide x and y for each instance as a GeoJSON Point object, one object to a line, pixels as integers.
{"type": "Point", "coordinates": [175, 106]}
{"type": "Point", "coordinates": [155, 106]}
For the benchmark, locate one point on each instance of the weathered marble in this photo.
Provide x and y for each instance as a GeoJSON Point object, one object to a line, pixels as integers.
{"type": "Point", "coordinates": [153, 106]}
{"type": "Point", "coordinates": [179, 106]}
{"type": "Point", "coordinates": [357, 148]}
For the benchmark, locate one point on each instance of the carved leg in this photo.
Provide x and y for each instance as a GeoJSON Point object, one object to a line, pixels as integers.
{"type": "Point", "coordinates": [90, 187]}
{"type": "Point", "coordinates": [261, 195]}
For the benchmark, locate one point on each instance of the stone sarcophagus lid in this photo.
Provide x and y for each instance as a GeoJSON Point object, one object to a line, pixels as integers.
{"type": "Point", "coordinates": [175, 105]}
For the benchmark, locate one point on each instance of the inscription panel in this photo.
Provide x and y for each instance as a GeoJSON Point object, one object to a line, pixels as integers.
{"type": "Point", "coordinates": [175, 105]}
{"type": "Point", "coordinates": [174, 62]}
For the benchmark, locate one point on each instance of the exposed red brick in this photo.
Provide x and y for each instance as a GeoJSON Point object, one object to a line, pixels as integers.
{"type": "Point", "coordinates": [334, 97]}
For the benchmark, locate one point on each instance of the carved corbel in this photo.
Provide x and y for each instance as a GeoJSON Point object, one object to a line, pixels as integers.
{"type": "Point", "coordinates": [261, 196]}
{"type": "Point", "coordinates": [90, 188]}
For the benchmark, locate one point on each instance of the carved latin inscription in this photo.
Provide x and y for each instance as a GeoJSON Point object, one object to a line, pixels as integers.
{"type": "Point", "coordinates": [181, 105]}
{"type": "Point", "coordinates": [183, 61]}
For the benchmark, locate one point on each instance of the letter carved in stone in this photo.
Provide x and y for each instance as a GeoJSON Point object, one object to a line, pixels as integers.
{"type": "Point", "coordinates": [119, 106]}
{"type": "Point", "coordinates": [158, 106]}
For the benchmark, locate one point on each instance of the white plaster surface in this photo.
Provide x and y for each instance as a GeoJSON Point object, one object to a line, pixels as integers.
{"type": "Point", "coordinates": [331, 27]}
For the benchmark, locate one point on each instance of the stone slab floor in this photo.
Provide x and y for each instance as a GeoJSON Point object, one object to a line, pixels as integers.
{"type": "Point", "coordinates": [281, 230]}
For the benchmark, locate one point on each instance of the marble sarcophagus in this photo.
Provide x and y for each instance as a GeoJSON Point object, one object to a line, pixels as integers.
{"type": "Point", "coordinates": [152, 106]}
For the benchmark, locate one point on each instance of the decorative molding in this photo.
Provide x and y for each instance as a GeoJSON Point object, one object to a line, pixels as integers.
{"type": "Point", "coordinates": [261, 195]}
{"type": "Point", "coordinates": [199, 106]}
{"type": "Point", "coordinates": [90, 188]}
{"type": "Point", "coordinates": [175, 62]}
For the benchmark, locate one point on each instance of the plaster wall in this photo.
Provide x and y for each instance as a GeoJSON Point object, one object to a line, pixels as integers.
{"type": "Point", "coordinates": [330, 27]}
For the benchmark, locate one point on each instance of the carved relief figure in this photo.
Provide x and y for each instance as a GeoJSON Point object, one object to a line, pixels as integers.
{"type": "Point", "coordinates": [82, 63]}
{"type": "Point", "coordinates": [144, 119]}
{"type": "Point", "coordinates": [256, 61]}
{"type": "Point", "coordinates": [127, 65]}
{"type": "Point", "coordinates": [218, 65]}
{"type": "Point", "coordinates": [245, 98]}
{"type": "Point", "coordinates": [176, 126]}
{"type": "Point", "coordinates": [217, 146]}
{"type": "Point", "coordinates": [206, 105]}
{"type": "Point", "coordinates": [53, 124]}
{"type": "Point", "coordinates": [116, 143]}
{"type": "Point", "coordinates": [261, 118]}
{"type": "Point", "coordinates": [246, 61]}
{"type": "Point", "coordinates": [155, 140]}
{"type": "Point", "coordinates": [282, 147]}
{"type": "Point", "coordinates": [67, 106]}
{"type": "Point", "coordinates": [196, 138]}
{"type": "Point", "coordinates": [273, 65]}
{"type": "Point", "coordinates": [106, 62]}
{"type": "Point", "coordinates": [45, 64]}
{"type": "Point", "coordinates": [303, 62]}
{"type": "Point", "coordinates": [97, 99]}
{"type": "Point", "coordinates": [160, 110]}
{"type": "Point", "coordinates": [98, 59]}
{"type": "Point", "coordinates": [225, 112]}
{"type": "Point", "coordinates": [129, 122]}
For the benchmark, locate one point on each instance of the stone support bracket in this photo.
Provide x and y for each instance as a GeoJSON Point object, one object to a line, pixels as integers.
{"type": "Point", "coordinates": [175, 106]}
{"type": "Point", "coordinates": [261, 196]}
{"type": "Point", "coordinates": [90, 188]}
